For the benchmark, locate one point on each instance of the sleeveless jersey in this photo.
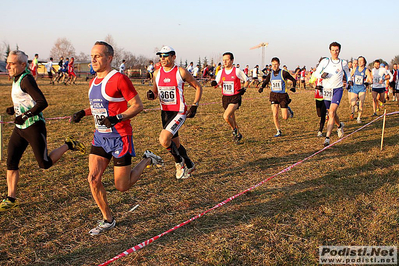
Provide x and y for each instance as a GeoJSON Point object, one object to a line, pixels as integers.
{"type": "Point", "coordinates": [35, 63]}
{"type": "Point", "coordinates": [231, 84]}
{"type": "Point", "coordinates": [170, 90]}
{"type": "Point", "coordinates": [108, 98]}
{"type": "Point", "coordinates": [359, 77]}
{"type": "Point", "coordinates": [70, 67]}
{"type": "Point", "coordinates": [277, 82]}
{"type": "Point", "coordinates": [22, 103]}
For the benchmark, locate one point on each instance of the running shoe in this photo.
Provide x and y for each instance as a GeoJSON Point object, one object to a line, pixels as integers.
{"type": "Point", "coordinates": [358, 120]}
{"type": "Point", "coordinates": [7, 204]}
{"type": "Point", "coordinates": [319, 134]}
{"type": "Point", "coordinates": [375, 114]}
{"type": "Point", "coordinates": [340, 130]}
{"type": "Point", "coordinates": [326, 142]}
{"type": "Point", "coordinates": [181, 170]}
{"type": "Point", "coordinates": [238, 137]}
{"type": "Point", "coordinates": [102, 227]}
{"type": "Point", "coordinates": [291, 112]}
{"type": "Point", "coordinates": [279, 134]}
{"type": "Point", "coordinates": [155, 159]}
{"type": "Point", "coordinates": [75, 145]}
{"type": "Point", "coordinates": [235, 132]}
{"type": "Point", "coordinates": [352, 116]}
{"type": "Point", "coordinates": [189, 171]}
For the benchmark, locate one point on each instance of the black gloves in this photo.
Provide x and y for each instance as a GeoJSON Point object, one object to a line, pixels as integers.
{"type": "Point", "coordinates": [242, 91]}
{"type": "Point", "coordinates": [78, 116]}
{"type": "Point", "coordinates": [111, 121]}
{"type": "Point", "coordinates": [192, 111]}
{"type": "Point", "coordinates": [19, 120]}
{"type": "Point", "coordinates": [150, 95]}
{"type": "Point", "coordinates": [10, 110]}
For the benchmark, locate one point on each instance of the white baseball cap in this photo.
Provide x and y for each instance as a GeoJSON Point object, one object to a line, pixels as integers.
{"type": "Point", "coordinates": [166, 50]}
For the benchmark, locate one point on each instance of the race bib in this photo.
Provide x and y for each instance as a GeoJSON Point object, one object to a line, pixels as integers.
{"type": "Point", "coordinates": [358, 80]}
{"type": "Point", "coordinates": [327, 94]}
{"type": "Point", "coordinates": [167, 95]}
{"type": "Point", "coordinates": [376, 79]}
{"type": "Point", "coordinates": [276, 85]}
{"type": "Point", "coordinates": [99, 114]}
{"type": "Point", "coordinates": [228, 87]}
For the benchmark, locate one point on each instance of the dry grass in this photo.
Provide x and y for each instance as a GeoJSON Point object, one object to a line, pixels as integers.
{"type": "Point", "coordinates": [347, 195]}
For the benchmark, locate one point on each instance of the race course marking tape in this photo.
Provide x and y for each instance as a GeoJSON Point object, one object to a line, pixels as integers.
{"type": "Point", "coordinates": [149, 241]}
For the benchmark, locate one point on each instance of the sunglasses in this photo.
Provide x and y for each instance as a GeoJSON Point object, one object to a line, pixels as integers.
{"type": "Point", "coordinates": [163, 55]}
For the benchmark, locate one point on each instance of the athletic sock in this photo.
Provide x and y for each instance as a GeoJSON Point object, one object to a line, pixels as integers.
{"type": "Point", "coordinates": [183, 153]}
{"type": "Point", "coordinates": [11, 199]}
{"type": "Point", "coordinates": [175, 152]}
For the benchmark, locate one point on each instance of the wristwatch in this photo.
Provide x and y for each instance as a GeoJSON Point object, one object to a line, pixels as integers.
{"type": "Point", "coordinates": [119, 117]}
{"type": "Point", "coordinates": [196, 104]}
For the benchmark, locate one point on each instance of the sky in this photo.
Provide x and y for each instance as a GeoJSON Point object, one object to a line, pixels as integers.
{"type": "Point", "coordinates": [298, 32]}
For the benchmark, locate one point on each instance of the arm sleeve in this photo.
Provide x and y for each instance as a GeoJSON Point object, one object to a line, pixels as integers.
{"type": "Point", "coordinates": [320, 68]}
{"type": "Point", "coordinates": [218, 76]}
{"type": "Point", "coordinates": [241, 75]}
{"type": "Point", "coordinates": [266, 81]}
{"type": "Point", "coordinates": [29, 85]}
{"type": "Point", "coordinates": [287, 75]}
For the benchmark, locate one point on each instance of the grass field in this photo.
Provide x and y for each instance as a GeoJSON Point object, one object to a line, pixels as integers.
{"type": "Point", "coordinates": [346, 195]}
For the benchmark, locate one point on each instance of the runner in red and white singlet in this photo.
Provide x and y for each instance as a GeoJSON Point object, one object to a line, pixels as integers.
{"type": "Point", "coordinates": [168, 85]}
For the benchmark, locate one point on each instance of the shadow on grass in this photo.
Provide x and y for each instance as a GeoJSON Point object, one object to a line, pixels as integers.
{"type": "Point", "coordinates": [335, 185]}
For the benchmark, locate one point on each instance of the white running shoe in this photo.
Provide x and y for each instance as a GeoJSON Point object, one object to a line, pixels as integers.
{"type": "Point", "coordinates": [155, 159]}
{"type": "Point", "coordinates": [358, 120]}
{"type": "Point", "coordinates": [181, 170]}
{"type": "Point", "coordinates": [102, 227]}
{"type": "Point", "coordinates": [319, 134]}
{"type": "Point", "coordinates": [326, 142]}
{"type": "Point", "coordinates": [340, 130]}
{"type": "Point", "coordinates": [189, 171]}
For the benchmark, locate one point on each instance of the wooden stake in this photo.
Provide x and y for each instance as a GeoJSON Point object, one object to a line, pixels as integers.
{"type": "Point", "coordinates": [383, 129]}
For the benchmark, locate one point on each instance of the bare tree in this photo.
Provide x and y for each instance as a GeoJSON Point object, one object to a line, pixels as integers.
{"type": "Point", "coordinates": [395, 60]}
{"type": "Point", "coordinates": [62, 47]}
{"type": "Point", "coordinates": [118, 52]}
{"type": "Point", "coordinates": [82, 57]}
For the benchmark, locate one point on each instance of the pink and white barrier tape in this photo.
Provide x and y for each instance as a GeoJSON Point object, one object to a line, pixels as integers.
{"type": "Point", "coordinates": [51, 118]}
{"type": "Point", "coordinates": [149, 241]}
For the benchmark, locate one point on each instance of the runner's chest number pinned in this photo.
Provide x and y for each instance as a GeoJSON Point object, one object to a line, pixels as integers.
{"type": "Point", "coordinates": [99, 114]}
{"type": "Point", "coordinates": [276, 85]}
{"type": "Point", "coordinates": [228, 87]}
{"type": "Point", "coordinates": [167, 95]}
{"type": "Point", "coordinates": [327, 94]}
{"type": "Point", "coordinates": [358, 80]}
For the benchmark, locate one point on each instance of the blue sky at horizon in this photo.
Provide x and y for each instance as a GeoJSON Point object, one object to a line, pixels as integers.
{"type": "Point", "coordinates": [298, 32]}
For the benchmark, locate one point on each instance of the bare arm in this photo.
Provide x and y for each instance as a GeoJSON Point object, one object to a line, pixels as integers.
{"type": "Point", "coordinates": [154, 84]}
{"type": "Point", "coordinates": [135, 107]}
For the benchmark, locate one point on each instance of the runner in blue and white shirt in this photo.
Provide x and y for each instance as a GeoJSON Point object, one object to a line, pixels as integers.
{"type": "Point", "coordinates": [333, 70]}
